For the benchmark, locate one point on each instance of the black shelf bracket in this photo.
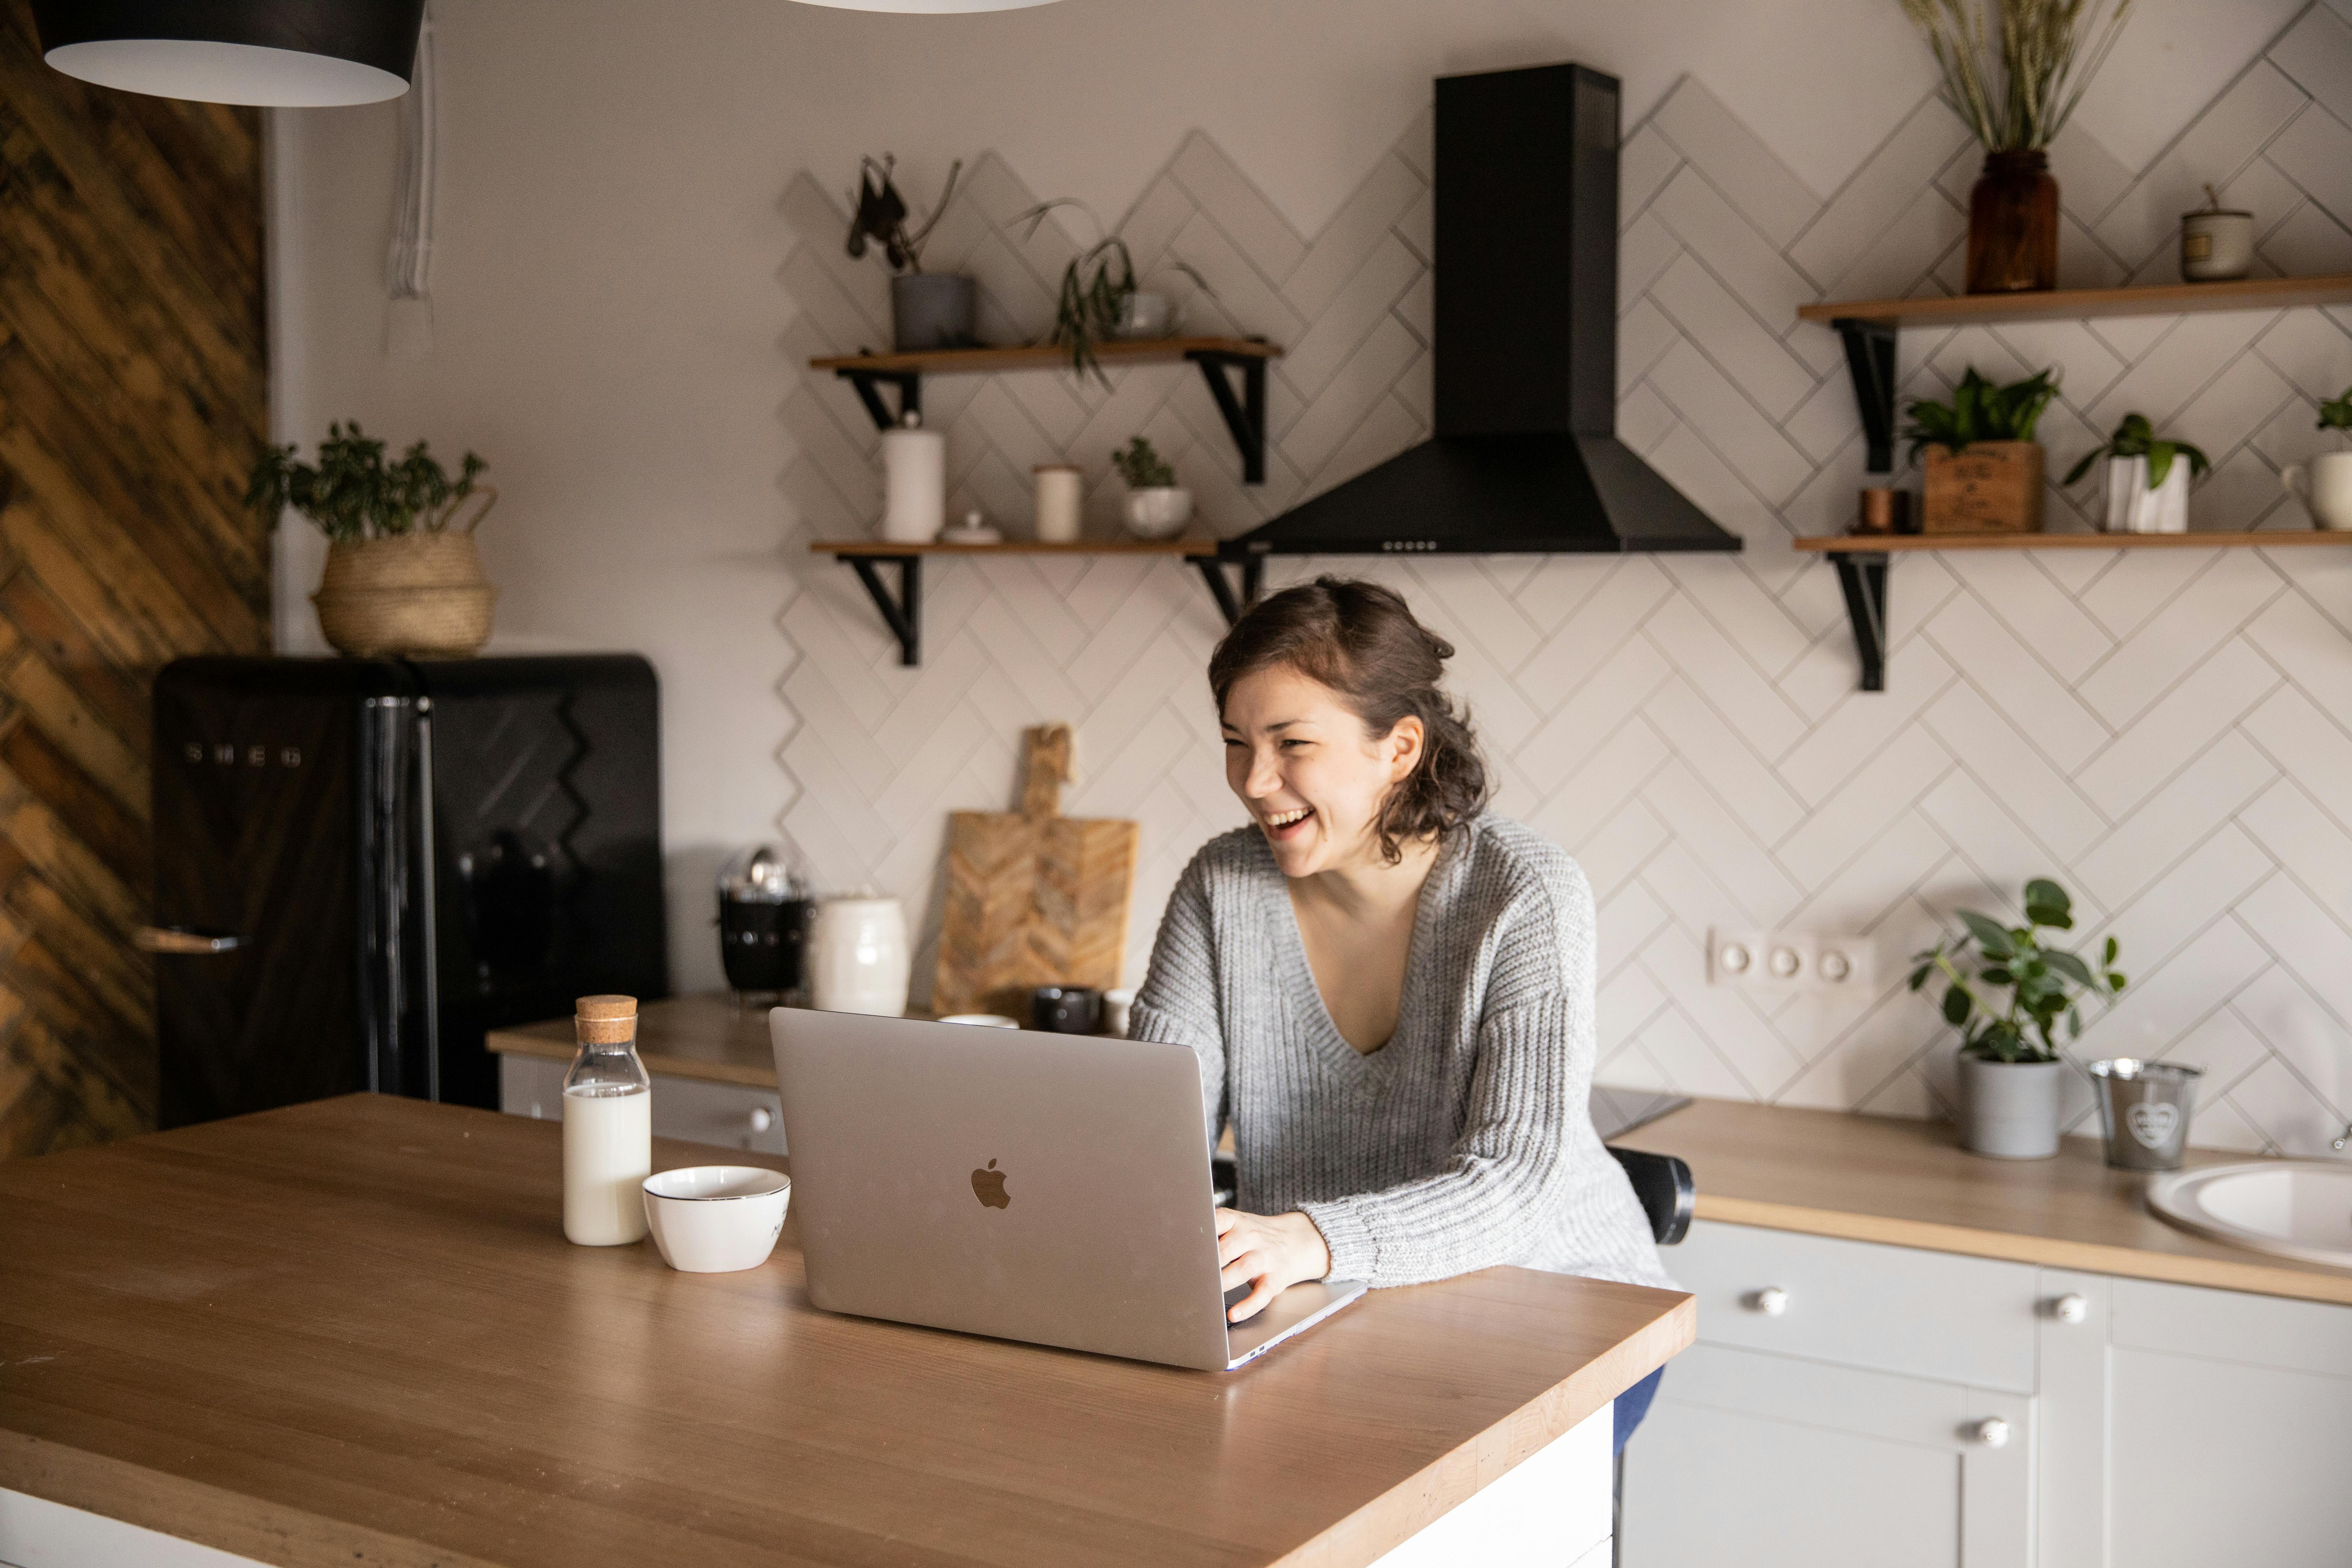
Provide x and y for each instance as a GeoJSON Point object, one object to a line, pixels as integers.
{"type": "Point", "coordinates": [1246, 415]}
{"type": "Point", "coordinates": [1231, 605]}
{"type": "Point", "coordinates": [910, 384]}
{"type": "Point", "coordinates": [903, 613]}
{"type": "Point", "coordinates": [1862, 574]}
{"type": "Point", "coordinates": [1870, 361]}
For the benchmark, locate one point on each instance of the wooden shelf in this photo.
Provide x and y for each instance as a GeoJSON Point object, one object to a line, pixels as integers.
{"type": "Point", "coordinates": [1190, 545]}
{"type": "Point", "coordinates": [2079, 304]}
{"type": "Point", "coordinates": [1048, 356]}
{"type": "Point", "coordinates": [2260, 539]}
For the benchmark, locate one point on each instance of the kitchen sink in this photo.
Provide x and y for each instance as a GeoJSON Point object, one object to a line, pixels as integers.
{"type": "Point", "coordinates": [2294, 1208]}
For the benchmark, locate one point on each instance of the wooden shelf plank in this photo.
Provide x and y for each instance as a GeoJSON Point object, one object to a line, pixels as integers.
{"type": "Point", "coordinates": [1047, 356]}
{"type": "Point", "coordinates": [1189, 546]}
{"type": "Point", "coordinates": [2259, 539]}
{"type": "Point", "coordinates": [2079, 304]}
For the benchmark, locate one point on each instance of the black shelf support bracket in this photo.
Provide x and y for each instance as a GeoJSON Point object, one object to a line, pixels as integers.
{"type": "Point", "coordinates": [1870, 361]}
{"type": "Point", "coordinates": [910, 384]}
{"type": "Point", "coordinates": [1246, 415]}
{"type": "Point", "coordinates": [1862, 574]}
{"type": "Point", "coordinates": [1221, 587]}
{"type": "Point", "coordinates": [904, 613]}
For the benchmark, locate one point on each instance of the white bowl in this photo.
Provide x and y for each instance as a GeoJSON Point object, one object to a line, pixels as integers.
{"type": "Point", "coordinates": [983, 1020]}
{"type": "Point", "coordinates": [715, 1219]}
{"type": "Point", "coordinates": [1159, 512]}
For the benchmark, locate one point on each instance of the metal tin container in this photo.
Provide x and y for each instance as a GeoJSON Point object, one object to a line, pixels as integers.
{"type": "Point", "coordinates": [2143, 1109]}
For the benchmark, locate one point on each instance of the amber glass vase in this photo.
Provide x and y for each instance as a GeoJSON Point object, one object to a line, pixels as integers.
{"type": "Point", "coordinates": [2013, 225]}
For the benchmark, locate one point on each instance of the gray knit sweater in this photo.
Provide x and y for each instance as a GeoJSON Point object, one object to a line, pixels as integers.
{"type": "Point", "coordinates": [1464, 1142]}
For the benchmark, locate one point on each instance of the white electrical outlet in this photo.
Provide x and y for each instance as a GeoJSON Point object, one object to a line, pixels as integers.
{"type": "Point", "coordinates": [1790, 961]}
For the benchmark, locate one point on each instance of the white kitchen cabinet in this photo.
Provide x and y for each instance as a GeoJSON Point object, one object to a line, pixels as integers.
{"type": "Point", "coordinates": [733, 1116]}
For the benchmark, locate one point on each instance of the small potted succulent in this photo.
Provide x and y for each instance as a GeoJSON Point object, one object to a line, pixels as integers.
{"type": "Point", "coordinates": [1157, 507]}
{"type": "Point", "coordinates": [2147, 478]}
{"type": "Point", "coordinates": [928, 309]}
{"type": "Point", "coordinates": [2011, 1074]}
{"type": "Point", "coordinates": [1108, 303]}
{"type": "Point", "coordinates": [2324, 484]}
{"type": "Point", "coordinates": [1982, 466]}
{"type": "Point", "coordinates": [403, 579]}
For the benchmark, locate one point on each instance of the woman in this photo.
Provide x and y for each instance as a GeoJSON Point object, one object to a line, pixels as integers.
{"type": "Point", "coordinates": [1389, 988]}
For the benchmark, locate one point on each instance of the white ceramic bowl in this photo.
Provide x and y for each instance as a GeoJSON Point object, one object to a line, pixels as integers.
{"type": "Point", "coordinates": [983, 1020]}
{"type": "Point", "coordinates": [715, 1219]}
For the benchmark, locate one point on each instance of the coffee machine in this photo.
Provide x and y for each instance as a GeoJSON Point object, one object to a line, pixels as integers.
{"type": "Point", "coordinates": [764, 906]}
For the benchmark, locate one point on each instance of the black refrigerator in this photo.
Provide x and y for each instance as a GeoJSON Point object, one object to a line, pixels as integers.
{"type": "Point", "coordinates": [363, 864]}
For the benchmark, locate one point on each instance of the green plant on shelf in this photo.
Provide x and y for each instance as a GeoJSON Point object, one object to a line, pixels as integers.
{"type": "Point", "coordinates": [2016, 69]}
{"type": "Point", "coordinates": [2045, 984]}
{"type": "Point", "coordinates": [1089, 307]}
{"type": "Point", "coordinates": [353, 494]}
{"type": "Point", "coordinates": [2136, 437]}
{"type": "Point", "coordinates": [1142, 468]}
{"type": "Point", "coordinates": [1979, 411]}
{"type": "Point", "coordinates": [2337, 414]}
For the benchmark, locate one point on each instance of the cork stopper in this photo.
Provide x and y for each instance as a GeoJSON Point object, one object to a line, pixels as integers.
{"type": "Point", "coordinates": [605, 1020]}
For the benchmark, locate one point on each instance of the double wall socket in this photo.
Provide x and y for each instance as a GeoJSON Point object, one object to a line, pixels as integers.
{"type": "Point", "coordinates": [1790, 961]}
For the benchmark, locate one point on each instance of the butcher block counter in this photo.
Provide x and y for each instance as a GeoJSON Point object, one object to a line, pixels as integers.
{"type": "Point", "coordinates": [351, 1332]}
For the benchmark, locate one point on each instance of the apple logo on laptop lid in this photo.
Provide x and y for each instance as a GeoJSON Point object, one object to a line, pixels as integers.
{"type": "Point", "coordinates": [988, 1187]}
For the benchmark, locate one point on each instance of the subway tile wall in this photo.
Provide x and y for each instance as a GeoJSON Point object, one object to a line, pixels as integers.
{"type": "Point", "coordinates": [2168, 733]}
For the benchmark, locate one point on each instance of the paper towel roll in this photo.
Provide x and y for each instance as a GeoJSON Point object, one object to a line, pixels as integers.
{"type": "Point", "coordinates": [914, 485]}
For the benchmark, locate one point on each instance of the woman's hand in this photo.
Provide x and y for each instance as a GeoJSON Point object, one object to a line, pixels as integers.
{"type": "Point", "coordinates": [1271, 1252]}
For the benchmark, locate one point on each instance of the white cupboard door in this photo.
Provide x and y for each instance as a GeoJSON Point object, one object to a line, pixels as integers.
{"type": "Point", "coordinates": [1767, 1460]}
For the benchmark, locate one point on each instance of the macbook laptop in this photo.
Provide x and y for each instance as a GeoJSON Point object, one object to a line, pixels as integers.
{"type": "Point", "coordinates": [1051, 1188]}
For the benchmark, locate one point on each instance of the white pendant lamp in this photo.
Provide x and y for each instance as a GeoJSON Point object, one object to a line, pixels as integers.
{"type": "Point", "coordinates": [282, 54]}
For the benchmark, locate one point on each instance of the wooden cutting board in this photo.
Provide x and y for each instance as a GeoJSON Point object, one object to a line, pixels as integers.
{"type": "Point", "coordinates": [1033, 898]}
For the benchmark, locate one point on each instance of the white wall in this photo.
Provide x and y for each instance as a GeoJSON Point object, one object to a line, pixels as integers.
{"type": "Point", "coordinates": [635, 257]}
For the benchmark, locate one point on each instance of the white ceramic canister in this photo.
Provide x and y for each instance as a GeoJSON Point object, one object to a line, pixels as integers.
{"type": "Point", "coordinates": [2216, 246]}
{"type": "Point", "coordinates": [2324, 485]}
{"type": "Point", "coordinates": [1058, 503]}
{"type": "Point", "coordinates": [914, 484]}
{"type": "Point", "coordinates": [2133, 508]}
{"type": "Point", "coordinates": [858, 959]}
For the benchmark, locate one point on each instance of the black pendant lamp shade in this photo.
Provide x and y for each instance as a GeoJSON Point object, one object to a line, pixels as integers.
{"type": "Point", "coordinates": [285, 54]}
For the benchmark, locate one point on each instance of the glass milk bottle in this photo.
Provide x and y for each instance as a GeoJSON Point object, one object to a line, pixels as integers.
{"type": "Point", "coordinates": [608, 1135]}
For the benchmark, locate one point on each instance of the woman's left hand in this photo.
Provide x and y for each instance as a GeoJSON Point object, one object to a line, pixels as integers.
{"type": "Point", "coordinates": [1271, 1252]}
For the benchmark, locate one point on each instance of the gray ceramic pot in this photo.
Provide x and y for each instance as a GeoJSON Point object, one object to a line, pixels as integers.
{"type": "Point", "coordinates": [931, 310]}
{"type": "Point", "coordinates": [2009, 1109]}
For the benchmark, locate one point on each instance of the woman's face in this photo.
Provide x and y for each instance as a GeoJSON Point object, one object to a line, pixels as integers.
{"type": "Point", "coordinates": [1311, 776]}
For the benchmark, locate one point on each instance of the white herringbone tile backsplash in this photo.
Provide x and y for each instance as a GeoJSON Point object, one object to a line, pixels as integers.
{"type": "Point", "coordinates": [2169, 733]}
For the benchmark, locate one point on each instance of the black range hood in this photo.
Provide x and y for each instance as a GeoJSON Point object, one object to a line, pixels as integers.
{"type": "Point", "coordinates": [1525, 457]}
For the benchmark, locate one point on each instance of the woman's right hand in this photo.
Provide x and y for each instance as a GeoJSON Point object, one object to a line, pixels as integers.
{"type": "Point", "coordinates": [1270, 1253]}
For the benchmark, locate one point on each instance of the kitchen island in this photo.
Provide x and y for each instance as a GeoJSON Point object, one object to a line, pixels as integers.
{"type": "Point", "coordinates": [351, 1332]}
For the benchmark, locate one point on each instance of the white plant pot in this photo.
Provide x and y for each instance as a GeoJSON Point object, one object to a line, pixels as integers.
{"type": "Point", "coordinates": [2133, 508]}
{"type": "Point", "coordinates": [1159, 512]}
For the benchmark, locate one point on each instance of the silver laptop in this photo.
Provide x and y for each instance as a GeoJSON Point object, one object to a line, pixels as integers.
{"type": "Point", "coordinates": [1051, 1188]}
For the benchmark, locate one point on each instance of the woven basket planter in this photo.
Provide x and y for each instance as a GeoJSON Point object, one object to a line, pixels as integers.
{"type": "Point", "coordinates": [413, 595]}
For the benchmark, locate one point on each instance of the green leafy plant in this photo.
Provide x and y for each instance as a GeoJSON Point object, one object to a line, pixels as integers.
{"type": "Point", "coordinates": [2045, 984]}
{"type": "Point", "coordinates": [1141, 467]}
{"type": "Point", "coordinates": [2135, 437]}
{"type": "Point", "coordinates": [1979, 411]}
{"type": "Point", "coordinates": [2337, 414]}
{"type": "Point", "coordinates": [2017, 79]}
{"type": "Point", "coordinates": [880, 214]}
{"type": "Point", "coordinates": [353, 494]}
{"type": "Point", "coordinates": [1088, 308]}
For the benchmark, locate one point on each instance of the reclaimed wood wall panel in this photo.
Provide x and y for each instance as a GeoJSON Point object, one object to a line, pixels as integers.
{"type": "Point", "coordinates": [132, 400]}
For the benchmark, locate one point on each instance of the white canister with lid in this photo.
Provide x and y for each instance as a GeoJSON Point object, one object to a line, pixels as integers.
{"type": "Point", "coordinates": [914, 483]}
{"type": "Point", "coordinates": [858, 959]}
{"type": "Point", "coordinates": [1059, 499]}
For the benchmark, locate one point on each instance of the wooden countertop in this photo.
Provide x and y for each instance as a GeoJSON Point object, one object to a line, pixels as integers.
{"type": "Point", "coordinates": [1874, 1178]}
{"type": "Point", "coordinates": [706, 1037]}
{"type": "Point", "coordinates": [351, 1332]}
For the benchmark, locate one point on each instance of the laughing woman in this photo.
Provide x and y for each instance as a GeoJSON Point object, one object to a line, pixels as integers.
{"type": "Point", "coordinates": [1390, 989]}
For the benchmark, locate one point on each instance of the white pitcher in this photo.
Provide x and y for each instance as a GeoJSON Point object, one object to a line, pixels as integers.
{"type": "Point", "coordinates": [2325, 486]}
{"type": "Point", "coordinates": [858, 959]}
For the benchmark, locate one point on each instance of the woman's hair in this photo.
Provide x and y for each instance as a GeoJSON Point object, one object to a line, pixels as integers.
{"type": "Point", "coordinates": [1361, 640]}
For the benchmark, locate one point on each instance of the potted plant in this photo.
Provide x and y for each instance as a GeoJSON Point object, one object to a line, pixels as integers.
{"type": "Point", "coordinates": [2011, 1074]}
{"type": "Point", "coordinates": [2147, 478]}
{"type": "Point", "coordinates": [2324, 484]}
{"type": "Point", "coordinates": [1983, 468]}
{"type": "Point", "coordinates": [1106, 304]}
{"type": "Point", "coordinates": [928, 309]}
{"type": "Point", "coordinates": [402, 579]}
{"type": "Point", "coordinates": [1157, 507]}
{"type": "Point", "coordinates": [2015, 70]}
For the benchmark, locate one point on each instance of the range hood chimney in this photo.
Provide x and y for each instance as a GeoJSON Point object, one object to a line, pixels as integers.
{"type": "Point", "coordinates": [1525, 457]}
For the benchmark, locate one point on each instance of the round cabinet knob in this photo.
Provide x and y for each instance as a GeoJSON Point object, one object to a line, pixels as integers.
{"type": "Point", "coordinates": [760, 1119]}
{"type": "Point", "coordinates": [1993, 1432]}
{"type": "Point", "coordinates": [2070, 1309]}
{"type": "Point", "coordinates": [1771, 1301]}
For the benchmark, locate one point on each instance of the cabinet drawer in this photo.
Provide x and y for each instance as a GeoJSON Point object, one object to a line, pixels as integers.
{"type": "Point", "coordinates": [733, 1116]}
{"type": "Point", "coordinates": [1890, 1309]}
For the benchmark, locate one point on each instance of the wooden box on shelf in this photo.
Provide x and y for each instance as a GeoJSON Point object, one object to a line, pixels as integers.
{"type": "Point", "coordinates": [1987, 486]}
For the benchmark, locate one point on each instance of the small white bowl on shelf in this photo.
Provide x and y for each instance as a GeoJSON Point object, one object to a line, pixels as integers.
{"type": "Point", "coordinates": [1158, 511]}
{"type": "Point", "coordinates": [715, 1219]}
